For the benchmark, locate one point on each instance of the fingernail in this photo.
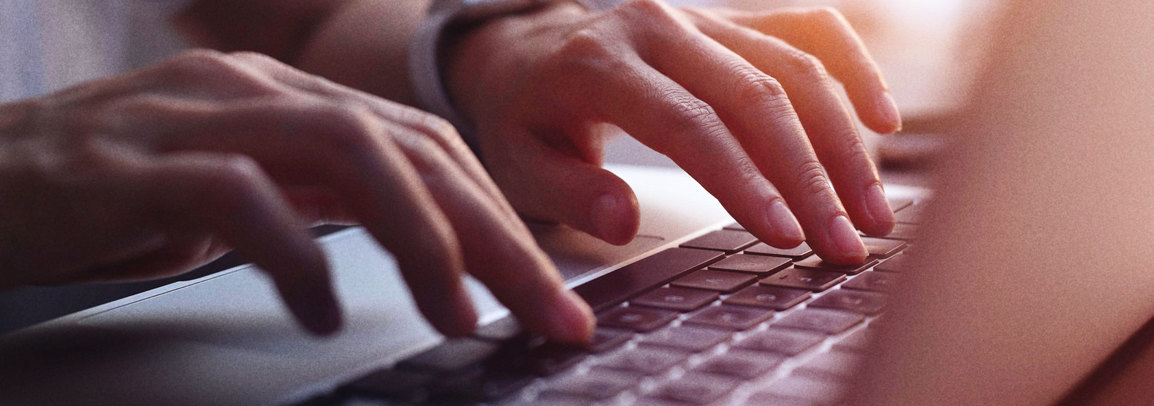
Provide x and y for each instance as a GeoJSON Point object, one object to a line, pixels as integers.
{"type": "Point", "coordinates": [887, 108]}
{"type": "Point", "coordinates": [782, 222]}
{"type": "Point", "coordinates": [606, 215]}
{"type": "Point", "coordinates": [571, 320]}
{"type": "Point", "coordinates": [845, 238]}
{"type": "Point", "coordinates": [878, 206]}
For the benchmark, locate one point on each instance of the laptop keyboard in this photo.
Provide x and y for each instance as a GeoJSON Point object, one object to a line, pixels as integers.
{"type": "Point", "coordinates": [722, 319]}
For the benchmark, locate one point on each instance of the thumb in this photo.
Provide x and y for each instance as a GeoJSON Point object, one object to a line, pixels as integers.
{"type": "Point", "coordinates": [545, 184]}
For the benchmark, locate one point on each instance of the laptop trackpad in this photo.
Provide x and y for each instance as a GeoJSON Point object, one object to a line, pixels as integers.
{"type": "Point", "coordinates": [577, 253]}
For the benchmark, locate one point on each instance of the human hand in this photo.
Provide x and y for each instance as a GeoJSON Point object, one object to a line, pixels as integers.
{"type": "Point", "coordinates": [743, 102]}
{"type": "Point", "coordinates": [152, 173]}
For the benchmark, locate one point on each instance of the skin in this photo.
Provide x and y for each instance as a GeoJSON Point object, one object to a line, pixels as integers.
{"type": "Point", "coordinates": [208, 151]}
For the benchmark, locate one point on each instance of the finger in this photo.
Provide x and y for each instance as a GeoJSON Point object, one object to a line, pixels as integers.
{"type": "Point", "coordinates": [428, 124]}
{"type": "Point", "coordinates": [313, 141]}
{"type": "Point", "coordinates": [231, 197]}
{"type": "Point", "coordinates": [824, 33]}
{"type": "Point", "coordinates": [545, 184]}
{"type": "Point", "coordinates": [172, 258]}
{"type": "Point", "coordinates": [319, 205]}
{"type": "Point", "coordinates": [756, 108]}
{"type": "Point", "coordinates": [666, 117]}
{"type": "Point", "coordinates": [823, 116]}
{"type": "Point", "coordinates": [506, 260]}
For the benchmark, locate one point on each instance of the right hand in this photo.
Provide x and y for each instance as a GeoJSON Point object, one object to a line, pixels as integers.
{"type": "Point", "coordinates": [155, 172]}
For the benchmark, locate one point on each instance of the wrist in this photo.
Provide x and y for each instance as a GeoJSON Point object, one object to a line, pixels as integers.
{"type": "Point", "coordinates": [483, 62]}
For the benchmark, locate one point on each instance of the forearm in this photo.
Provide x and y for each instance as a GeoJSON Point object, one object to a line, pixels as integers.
{"type": "Point", "coordinates": [358, 43]}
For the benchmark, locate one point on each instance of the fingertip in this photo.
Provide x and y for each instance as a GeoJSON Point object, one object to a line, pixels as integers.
{"type": "Point", "coordinates": [571, 320]}
{"type": "Point", "coordinates": [887, 117]}
{"type": "Point", "coordinates": [785, 231]}
{"type": "Point", "coordinates": [315, 308]}
{"type": "Point", "coordinates": [463, 320]}
{"type": "Point", "coordinates": [450, 311]}
{"type": "Point", "coordinates": [616, 217]}
{"type": "Point", "coordinates": [845, 240]}
{"type": "Point", "coordinates": [880, 219]}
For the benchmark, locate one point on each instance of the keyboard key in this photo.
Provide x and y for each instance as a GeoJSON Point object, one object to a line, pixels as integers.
{"type": "Point", "coordinates": [605, 339]}
{"type": "Point", "coordinates": [735, 226]}
{"type": "Point", "coordinates": [816, 262]}
{"type": "Point", "coordinates": [911, 215]}
{"type": "Point", "coordinates": [617, 286]}
{"type": "Point", "coordinates": [677, 299]}
{"type": "Point", "coordinates": [595, 386]}
{"type": "Point", "coordinates": [900, 204]}
{"type": "Point", "coordinates": [479, 384]}
{"type": "Point", "coordinates": [643, 360]}
{"type": "Point", "coordinates": [902, 231]}
{"type": "Point", "coordinates": [881, 247]}
{"type": "Point", "coordinates": [833, 365]}
{"type": "Point", "coordinates": [653, 400]}
{"type": "Point", "coordinates": [452, 355]}
{"type": "Point", "coordinates": [820, 320]}
{"type": "Point", "coordinates": [758, 264]}
{"type": "Point", "coordinates": [873, 281]}
{"type": "Point", "coordinates": [730, 317]}
{"type": "Point", "coordinates": [501, 329]}
{"type": "Point", "coordinates": [551, 358]}
{"type": "Point", "coordinates": [781, 341]}
{"type": "Point", "coordinates": [696, 389]}
{"type": "Point", "coordinates": [867, 303]}
{"type": "Point", "coordinates": [686, 338]}
{"type": "Point", "coordinates": [720, 281]}
{"type": "Point", "coordinates": [388, 383]}
{"type": "Point", "coordinates": [740, 364]}
{"type": "Point", "coordinates": [897, 264]}
{"type": "Point", "coordinates": [800, 278]}
{"type": "Point", "coordinates": [553, 398]}
{"type": "Point", "coordinates": [858, 341]}
{"type": "Point", "coordinates": [636, 318]}
{"type": "Point", "coordinates": [800, 388]}
{"type": "Point", "coordinates": [798, 252]}
{"type": "Point", "coordinates": [728, 241]}
{"type": "Point", "coordinates": [766, 398]}
{"type": "Point", "coordinates": [772, 297]}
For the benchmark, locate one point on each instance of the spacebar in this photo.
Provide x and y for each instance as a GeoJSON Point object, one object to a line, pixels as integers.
{"type": "Point", "coordinates": [633, 279]}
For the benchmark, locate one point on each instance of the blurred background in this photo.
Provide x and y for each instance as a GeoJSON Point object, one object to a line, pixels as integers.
{"type": "Point", "coordinates": [929, 52]}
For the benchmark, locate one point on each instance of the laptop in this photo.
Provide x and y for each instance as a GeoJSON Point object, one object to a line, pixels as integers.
{"type": "Point", "coordinates": [1025, 279]}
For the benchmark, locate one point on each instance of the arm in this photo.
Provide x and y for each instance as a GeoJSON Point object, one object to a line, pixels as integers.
{"type": "Point", "coordinates": [358, 43]}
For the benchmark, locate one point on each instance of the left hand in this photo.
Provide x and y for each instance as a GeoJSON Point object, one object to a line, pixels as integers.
{"type": "Point", "coordinates": [743, 102]}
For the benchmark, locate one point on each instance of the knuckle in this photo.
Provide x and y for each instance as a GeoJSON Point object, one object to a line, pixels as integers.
{"type": "Point", "coordinates": [807, 66]}
{"type": "Point", "coordinates": [827, 15]}
{"type": "Point", "coordinates": [201, 62]}
{"type": "Point", "coordinates": [648, 9]}
{"type": "Point", "coordinates": [811, 179]}
{"type": "Point", "coordinates": [254, 57]}
{"type": "Point", "coordinates": [231, 184]}
{"type": "Point", "coordinates": [212, 69]}
{"type": "Point", "coordinates": [85, 152]}
{"type": "Point", "coordinates": [855, 156]}
{"type": "Point", "coordinates": [434, 127]}
{"type": "Point", "coordinates": [760, 89]}
{"type": "Point", "coordinates": [424, 153]}
{"type": "Point", "coordinates": [691, 113]}
{"type": "Point", "coordinates": [351, 129]}
{"type": "Point", "coordinates": [236, 171]}
{"type": "Point", "coordinates": [582, 50]}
